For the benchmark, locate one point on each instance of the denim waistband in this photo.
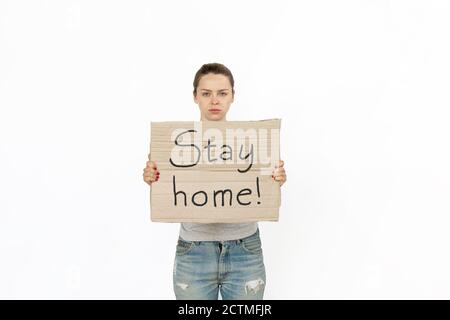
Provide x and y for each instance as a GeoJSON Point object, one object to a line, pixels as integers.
{"type": "Point", "coordinates": [226, 242]}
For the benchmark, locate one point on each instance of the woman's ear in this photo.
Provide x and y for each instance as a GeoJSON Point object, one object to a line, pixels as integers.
{"type": "Point", "coordinates": [195, 98]}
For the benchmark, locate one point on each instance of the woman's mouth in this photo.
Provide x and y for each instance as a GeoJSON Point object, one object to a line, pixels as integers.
{"type": "Point", "coordinates": [214, 110]}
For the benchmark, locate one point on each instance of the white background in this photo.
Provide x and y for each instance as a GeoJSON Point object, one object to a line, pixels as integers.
{"type": "Point", "coordinates": [362, 88]}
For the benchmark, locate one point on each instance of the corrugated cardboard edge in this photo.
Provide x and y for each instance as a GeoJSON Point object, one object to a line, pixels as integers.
{"type": "Point", "coordinates": [196, 220]}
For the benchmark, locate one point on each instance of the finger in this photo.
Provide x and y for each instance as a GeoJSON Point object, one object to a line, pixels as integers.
{"type": "Point", "coordinates": [148, 180]}
{"type": "Point", "coordinates": [279, 171]}
{"type": "Point", "coordinates": [151, 169]}
{"type": "Point", "coordinates": [280, 164]}
{"type": "Point", "coordinates": [280, 177]}
{"type": "Point", "coordinates": [150, 172]}
{"type": "Point", "coordinates": [153, 174]}
{"type": "Point", "coordinates": [148, 176]}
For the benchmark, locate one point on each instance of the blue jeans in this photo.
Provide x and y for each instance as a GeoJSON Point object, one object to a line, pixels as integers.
{"type": "Point", "coordinates": [234, 267]}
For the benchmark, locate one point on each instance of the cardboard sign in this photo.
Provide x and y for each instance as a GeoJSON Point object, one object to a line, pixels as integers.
{"type": "Point", "coordinates": [215, 171]}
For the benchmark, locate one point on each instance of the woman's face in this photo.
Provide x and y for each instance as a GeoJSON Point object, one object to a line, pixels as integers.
{"type": "Point", "coordinates": [214, 97]}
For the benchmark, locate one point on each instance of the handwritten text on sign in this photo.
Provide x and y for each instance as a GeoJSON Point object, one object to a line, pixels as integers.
{"type": "Point", "coordinates": [215, 171]}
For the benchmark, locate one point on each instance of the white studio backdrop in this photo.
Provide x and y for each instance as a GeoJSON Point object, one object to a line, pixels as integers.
{"type": "Point", "coordinates": [362, 88]}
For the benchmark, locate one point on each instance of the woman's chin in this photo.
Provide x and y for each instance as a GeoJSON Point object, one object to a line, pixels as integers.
{"type": "Point", "coordinates": [215, 117]}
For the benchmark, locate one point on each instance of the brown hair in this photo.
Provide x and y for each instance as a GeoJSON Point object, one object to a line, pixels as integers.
{"type": "Point", "coordinates": [215, 68]}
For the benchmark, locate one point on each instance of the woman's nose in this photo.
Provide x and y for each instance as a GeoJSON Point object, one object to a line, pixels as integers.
{"type": "Point", "coordinates": [215, 100]}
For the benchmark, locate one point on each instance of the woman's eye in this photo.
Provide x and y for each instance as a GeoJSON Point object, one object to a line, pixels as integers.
{"type": "Point", "coordinates": [205, 94]}
{"type": "Point", "coordinates": [224, 93]}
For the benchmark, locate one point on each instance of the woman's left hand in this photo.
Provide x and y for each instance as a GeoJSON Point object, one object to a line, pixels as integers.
{"type": "Point", "coordinates": [279, 174]}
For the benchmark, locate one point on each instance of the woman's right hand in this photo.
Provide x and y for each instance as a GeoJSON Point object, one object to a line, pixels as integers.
{"type": "Point", "coordinates": [151, 173]}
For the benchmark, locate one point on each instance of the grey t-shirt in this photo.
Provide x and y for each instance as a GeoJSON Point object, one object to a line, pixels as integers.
{"type": "Point", "coordinates": [216, 231]}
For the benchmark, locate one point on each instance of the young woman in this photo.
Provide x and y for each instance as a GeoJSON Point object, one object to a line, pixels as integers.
{"type": "Point", "coordinates": [213, 257]}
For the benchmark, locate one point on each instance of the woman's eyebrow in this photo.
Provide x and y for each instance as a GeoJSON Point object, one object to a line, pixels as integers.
{"type": "Point", "coordinates": [217, 90]}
